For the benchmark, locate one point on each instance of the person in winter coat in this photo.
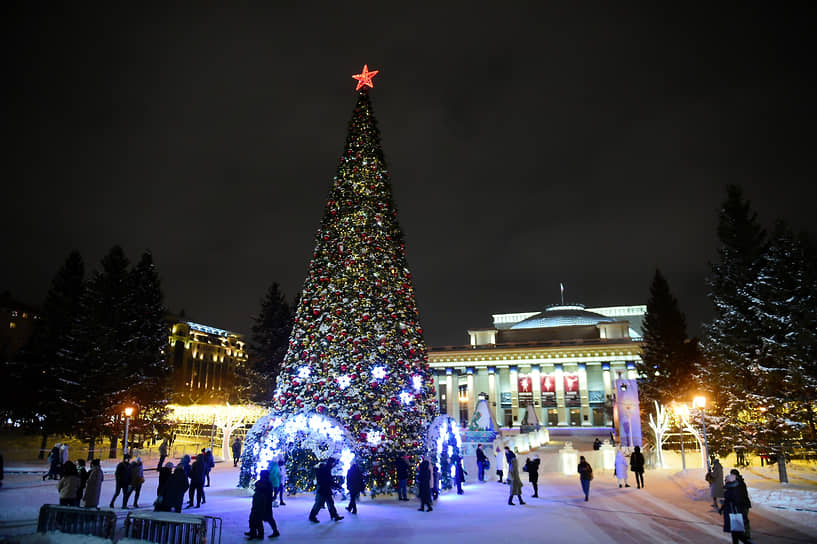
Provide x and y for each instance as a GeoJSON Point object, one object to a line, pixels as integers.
{"type": "Point", "coordinates": [68, 486]}
{"type": "Point", "coordinates": [64, 457]}
{"type": "Point", "coordinates": [54, 463]}
{"type": "Point", "coordinates": [165, 474]}
{"type": "Point", "coordinates": [274, 478]}
{"type": "Point", "coordinates": [323, 493]}
{"type": "Point", "coordinates": [514, 480]}
{"type": "Point", "coordinates": [435, 481]}
{"type": "Point", "coordinates": [175, 490]}
{"type": "Point", "coordinates": [197, 482]}
{"type": "Point", "coordinates": [481, 460]}
{"type": "Point", "coordinates": [122, 476]}
{"type": "Point", "coordinates": [162, 454]}
{"type": "Point", "coordinates": [509, 455]}
{"type": "Point", "coordinates": [83, 479]}
{"type": "Point", "coordinates": [734, 501]}
{"type": "Point", "coordinates": [532, 468]}
{"type": "Point", "coordinates": [401, 466]}
{"type": "Point", "coordinates": [637, 466]}
{"type": "Point", "coordinates": [282, 470]}
{"type": "Point", "coordinates": [354, 483]}
{"type": "Point", "coordinates": [715, 479]}
{"type": "Point", "coordinates": [424, 475]}
{"type": "Point", "coordinates": [261, 510]}
{"type": "Point", "coordinates": [137, 478]}
{"type": "Point", "coordinates": [459, 472]}
{"type": "Point", "coordinates": [185, 464]}
{"type": "Point", "coordinates": [621, 468]}
{"type": "Point", "coordinates": [209, 463]}
{"type": "Point", "coordinates": [585, 475]}
{"type": "Point", "coordinates": [93, 487]}
{"type": "Point", "coordinates": [500, 462]}
{"type": "Point", "coordinates": [236, 451]}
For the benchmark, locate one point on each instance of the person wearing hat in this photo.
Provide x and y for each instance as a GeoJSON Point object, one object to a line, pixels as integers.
{"type": "Point", "coordinates": [735, 501]}
{"type": "Point", "coordinates": [532, 468]}
{"type": "Point", "coordinates": [323, 493]}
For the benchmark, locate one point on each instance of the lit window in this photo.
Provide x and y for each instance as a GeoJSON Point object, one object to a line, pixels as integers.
{"type": "Point", "coordinates": [12, 325]}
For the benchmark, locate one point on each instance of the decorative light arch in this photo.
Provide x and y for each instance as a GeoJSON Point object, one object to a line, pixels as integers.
{"type": "Point", "coordinates": [444, 440]}
{"type": "Point", "coordinates": [276, 435]}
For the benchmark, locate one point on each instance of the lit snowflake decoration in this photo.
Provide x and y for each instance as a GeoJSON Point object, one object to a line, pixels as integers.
{"type": "Point", "coordinates": [418, 382]}
{"type": "Point", "coordinates": [379, 372]}
{"type": "Point", "coordinates": [373, 437]}
{"type": "Point", "coordinates": [406, 397]}
{"type": "Point", "coordinates": [344, 382]}
{"type": "Point", "coordinates": [303, 372]}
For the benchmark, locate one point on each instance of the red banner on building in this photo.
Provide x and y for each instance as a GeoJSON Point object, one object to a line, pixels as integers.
{"type": "Point", "coordinates": [525, 390]}
{"type": "Point", "coordinates": [548, 390]}
{"type": "Point", "coordinates": [572, 390]}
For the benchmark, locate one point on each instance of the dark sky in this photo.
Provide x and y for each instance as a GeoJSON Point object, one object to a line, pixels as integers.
{"type": "Point", "coordinates": [587, 144]}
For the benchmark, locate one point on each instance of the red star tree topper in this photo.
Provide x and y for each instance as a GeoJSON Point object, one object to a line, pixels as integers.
{"type": "Point", "coordinates": [365, 78]}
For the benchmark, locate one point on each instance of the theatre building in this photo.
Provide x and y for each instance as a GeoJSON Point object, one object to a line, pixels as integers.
{"type": "Point", "coordinates": [561, 363]}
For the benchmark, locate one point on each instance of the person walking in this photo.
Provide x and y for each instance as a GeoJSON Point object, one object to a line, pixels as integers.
{"type": "Point", "coordinates": [637, 466]}
{"type": "Point", "coordinates": [500, 463]}
{"type": "Point", "coordinates": [236, 451]}
{"type": "Point", "coordinates": [137, 478]}
{"type": "Point", "coordinates": [165, 473]}
{"type": "Point", "coordinates": [274, 479]}
{"type": "Point", "coordinates": [197, 482]}
{"type": "Point", "coordinates": [122, 476]}
{"type": "Point", "coordinates": [261, 510]}
{"type": "Point", "coordinates": [482, 460]}
{"type": "Point", "coordinates": [715, 479]}
{"type": "Point", "coordinates": [83, 479]}
{"type": "Point", "coordinates": [459, 472]}
{"type": "Point", "coordinates": [621, 468]}
{"type": "Point", "coordinates": [509, 455]}
{"type": "Point", "coordinates": [323, 493]}
{"type": "Point", "coordinates": [282, 470]}
{"type": "Point", "coordinates": [424, 476]}
{"type": "Point", "coordinates": [735, 501]}
{"type": "Point", "coordinates": [532, 468]}
{"type": "Point", "coordinates": [93, 487]}
{"type": "Point", "coordinates": [355, 485]}
{"type": "Point", "coordinates": [585, 475]}
{"type": "Point", "coordinates": [162, 455]}
{"type": "Point", "coordinates": [401, 467]}
{"type": "Point", "coordinates": [54, 463]}
{"type": "Point", "coordinates": [175, 491]}
{"type": "Point", "coordinates": [514, 480]}
{"type": "Point", "coordinates": [68, 486]}
{"type": "Point", "coordinates": [209, 463]}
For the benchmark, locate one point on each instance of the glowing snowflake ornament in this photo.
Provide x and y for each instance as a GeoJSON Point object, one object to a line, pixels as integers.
{"type": "Point", "coordinates": [379, 372]}
{"type": "Point", "coordinates": [418, 382]}
{"type": "Point", "coordinates": [344, 382]}
{"type": "Point", "coordinates": [303, 372]}
{"type": "Point", "coordinates": [406, 397]}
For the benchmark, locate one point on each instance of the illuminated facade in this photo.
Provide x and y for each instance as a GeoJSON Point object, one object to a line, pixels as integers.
{"type": "Point", "coordinates": [204, 361]}
{"type": "Point", "coordinates": [562, 362]}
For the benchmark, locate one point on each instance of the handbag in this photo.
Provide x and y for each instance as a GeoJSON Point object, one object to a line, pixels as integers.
{"type": "Point", "coordinates": [736, 522]}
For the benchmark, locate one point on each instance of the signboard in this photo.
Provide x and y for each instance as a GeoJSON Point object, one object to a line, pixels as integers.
{"type": "Point", "coordinates": [627, 414]}
{"type": "Point", "coordinates": [572, 390]}
{"type": "Point", "coordinates": [504, 400]}
{"type": "Point", "coordinates": [525, 390]}
{"type": "Point", "coordinates": [548, 390]}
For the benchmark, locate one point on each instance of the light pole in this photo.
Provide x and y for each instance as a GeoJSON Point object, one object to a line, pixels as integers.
{"type": "Point", "coordinates": [128, 413]}
{"type": "Point", "coordinates": [700, 402]}
{"type": "Point", "coordinates": [682, 411]}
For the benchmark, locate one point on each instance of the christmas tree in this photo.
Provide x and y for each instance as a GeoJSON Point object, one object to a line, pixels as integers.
{"type": "Point", "coordinates": [356, 353]}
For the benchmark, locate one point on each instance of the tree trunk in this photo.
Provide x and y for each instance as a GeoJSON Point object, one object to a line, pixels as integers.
{"type": "Point", "coordinates": [112, 452]}
{"type": "Point", "coordinates": [42, 446]}
{"type": "Point", "coordinates": [91, 447]}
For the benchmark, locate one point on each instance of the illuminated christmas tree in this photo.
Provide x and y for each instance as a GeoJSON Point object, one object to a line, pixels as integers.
{"type": "Point", "coordinates": [356, 353]}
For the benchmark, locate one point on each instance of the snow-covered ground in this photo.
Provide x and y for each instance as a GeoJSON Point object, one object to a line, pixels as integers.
{"type": "Point", "coordinates": [674, 507]}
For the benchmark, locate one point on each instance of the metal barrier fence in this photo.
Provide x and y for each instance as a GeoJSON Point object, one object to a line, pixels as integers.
{"type": "Point", "coordinates": [76, 520]}
{"type": "Point", "coordinates": [172, 528]}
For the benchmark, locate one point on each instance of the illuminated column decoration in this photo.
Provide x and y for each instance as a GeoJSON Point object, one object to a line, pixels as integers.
{"type": "Point", "coordinates": [469, 372]}
{"type": "Point", "coordinates": [560, 394]}
{"type": "Point", "coordinates": [492, 391]}
{"type": "Point", "coordinates": [631, 373]}
{"type": "Point", "coordinates": [608, 390]}
{"type": "Point", "coordinates": [584, 396]}
{"type": "Point", "coordinates": [451, 398]}
{"type": "Point", "coordinates": [537, 391]}
{"type": "Point", "coordinates": [515, 394]}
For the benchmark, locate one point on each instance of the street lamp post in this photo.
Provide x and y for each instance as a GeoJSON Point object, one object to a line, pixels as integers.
{"type": "Point", "coordinates": [128, 413]}
{"type": "Point", "coordinates": [700, 402]}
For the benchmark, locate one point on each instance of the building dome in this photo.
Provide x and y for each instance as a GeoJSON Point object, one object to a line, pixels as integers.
{"type": "Point", "coordinates": [562, 316]}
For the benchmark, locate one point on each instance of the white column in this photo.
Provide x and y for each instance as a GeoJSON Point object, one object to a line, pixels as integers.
{"type": "Point", "coordinates": [537, 392]}
{"type": "Point", "coordinates": [515, 394]}
{"type": "Point", "coordinates": [559, 376]}
{"type": "Point", "coordinates": [631, 372]}
{"type": "Point", "coordinates": [451, 396]}
{"type": "Point", "coordinates": [608, 390]}
{"type": "Point", "coordinates": [472, 396]}
{"type": "Point", "coordinates": [584, 397]}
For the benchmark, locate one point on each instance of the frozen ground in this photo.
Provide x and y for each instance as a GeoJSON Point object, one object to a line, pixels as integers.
{"type": "Point", "coordinates": [674, 507]}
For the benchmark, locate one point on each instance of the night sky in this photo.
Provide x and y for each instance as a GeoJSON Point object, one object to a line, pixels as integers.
{"type": "Point", "coordinates": [527, 146]}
